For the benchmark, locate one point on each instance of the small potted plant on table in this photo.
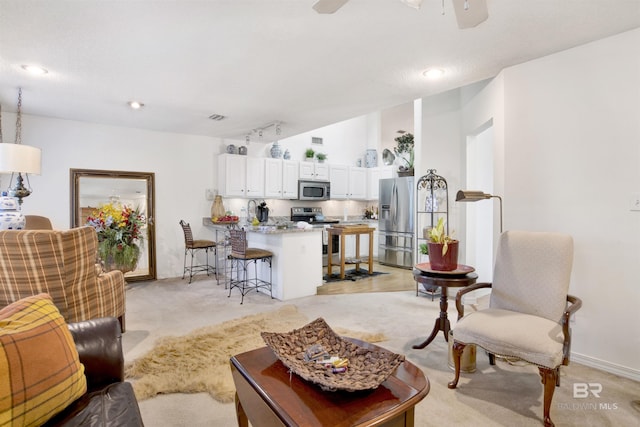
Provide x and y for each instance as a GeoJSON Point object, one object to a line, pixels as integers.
{"type": "Point", "coordinates": [443, 249]}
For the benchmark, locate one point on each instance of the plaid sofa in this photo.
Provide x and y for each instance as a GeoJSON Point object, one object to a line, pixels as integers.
{"type": "Point", "coordinates": [61, 263]}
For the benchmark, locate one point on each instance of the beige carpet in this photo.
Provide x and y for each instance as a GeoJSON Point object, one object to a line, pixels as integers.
{"type": "Point", "coordinates": [199, 361]}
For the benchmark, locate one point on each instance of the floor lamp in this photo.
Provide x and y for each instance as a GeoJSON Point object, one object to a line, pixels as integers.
{"type": "Point", "coordinates": [474, 196]}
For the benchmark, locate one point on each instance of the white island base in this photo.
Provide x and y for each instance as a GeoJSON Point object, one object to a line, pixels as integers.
{"type": "Point", "coordinates": [297, 261]}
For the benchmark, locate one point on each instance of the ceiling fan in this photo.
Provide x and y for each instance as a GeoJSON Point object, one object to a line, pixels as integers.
{"type": "Point", "coordinates": [469, 13]}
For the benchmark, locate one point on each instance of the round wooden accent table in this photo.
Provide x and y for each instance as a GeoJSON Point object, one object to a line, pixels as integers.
{"type": "Point", "coordinates": [461, 277]}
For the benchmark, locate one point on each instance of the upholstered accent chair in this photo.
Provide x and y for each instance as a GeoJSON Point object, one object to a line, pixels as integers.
{"type": "Point", "coordinates": [61, 263]}
{"type": "Point", "coordinates": [529, 309]}
{"type": "Point", "coordinates": [37, 222]}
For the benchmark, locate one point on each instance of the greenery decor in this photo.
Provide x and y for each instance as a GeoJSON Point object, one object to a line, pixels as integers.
{"type": "Point", "coordinates": [404, 149]}
{"type": "Point", "coordinates": [119, 235]}
{"type": "Point", "coordinates": [309, 153]}
{"type": "Point", "coordinates": [423, 248]}
{"type": "Point", "coordinates": [321, 157]}
{"type": "Point", "coordinates": [437, 235]}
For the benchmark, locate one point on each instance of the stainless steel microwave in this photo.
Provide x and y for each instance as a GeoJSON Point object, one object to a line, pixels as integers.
{"type": "Point", "coordinates": [314, 190]}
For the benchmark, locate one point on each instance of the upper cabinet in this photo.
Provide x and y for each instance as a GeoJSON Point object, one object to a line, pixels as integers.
{"type": "Point", "coordinates": [290, 174]}
{"type": "Point", "coordinates": [241, 176]}
{"type": "Point", "coordinates": [374, 175]}
{"type": "Point", "coordinates": [348, 182]}
{"type": "Point", "coordinates": [281, 179]}
{"type": "Point", "coordinates": [314, 171]}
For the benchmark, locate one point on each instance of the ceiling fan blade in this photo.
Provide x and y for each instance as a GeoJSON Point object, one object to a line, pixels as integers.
{"type": "Point", "coordinates": [474, 15]}
{"type": "Point", "coordinates": [328, 6]}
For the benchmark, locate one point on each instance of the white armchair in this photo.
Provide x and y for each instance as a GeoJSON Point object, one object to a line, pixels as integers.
{"type": "Point", "coordinates": [529, 309]}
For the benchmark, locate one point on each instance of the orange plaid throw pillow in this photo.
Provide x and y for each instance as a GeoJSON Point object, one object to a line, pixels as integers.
{"type": "Point", "coordinates": [40, 373]}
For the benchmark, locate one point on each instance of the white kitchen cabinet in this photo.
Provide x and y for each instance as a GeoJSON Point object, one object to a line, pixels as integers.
{"type": "Point", "coordinates": [281, 179]}
{"type": "Point", "coordinates": [240, 176]}
{"type": "Point", "coordinates": [314, 171]}
{"type": "Point", "coordinates": [255, 176]}
{"type": "Point", "coordinates": [273, 178]}
{"type": "Point", "coordinates": [348, 182]}
{"type": "Point", "coordinates": [374, 175]}
{"type": "Point", "coordinates": [290, 173]}
{"type": "Point", "coordinates": [232, 175]}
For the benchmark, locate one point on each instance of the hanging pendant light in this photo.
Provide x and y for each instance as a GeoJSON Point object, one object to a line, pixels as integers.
{"type": "Point", "coordinates": [19, 159]}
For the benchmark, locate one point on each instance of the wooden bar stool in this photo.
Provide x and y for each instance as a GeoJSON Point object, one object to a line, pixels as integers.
{"type": "Point", "coordinates": [192, 246]}
{"type": "Point", "coordinates": [241, 258]}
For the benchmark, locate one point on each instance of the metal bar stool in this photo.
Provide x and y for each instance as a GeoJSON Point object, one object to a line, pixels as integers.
{"type": "Point", "coordinates": [191, 247]}
{"type": "Point", "coordinates": [241, 258]}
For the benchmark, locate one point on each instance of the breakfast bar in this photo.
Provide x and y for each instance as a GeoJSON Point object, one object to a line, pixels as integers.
{"type": "Point", "coordinates": [297, 257]}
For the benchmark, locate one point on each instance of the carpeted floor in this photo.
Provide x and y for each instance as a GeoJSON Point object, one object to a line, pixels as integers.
{"type": "Point", "coordinates": [199, 361]}
{"type": "Point", "coordinates": [501, 395]}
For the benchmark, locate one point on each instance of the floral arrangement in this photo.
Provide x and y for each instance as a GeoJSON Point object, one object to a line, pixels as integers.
{"type": "Point", "coordinates": [119, 234]}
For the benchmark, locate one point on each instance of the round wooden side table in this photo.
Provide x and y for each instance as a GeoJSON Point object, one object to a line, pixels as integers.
{"type": "Point", "coordinates": [461, 277]}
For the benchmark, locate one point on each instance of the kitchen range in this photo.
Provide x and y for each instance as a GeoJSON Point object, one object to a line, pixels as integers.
{"type": "Point", "coordinates": [314, 216]}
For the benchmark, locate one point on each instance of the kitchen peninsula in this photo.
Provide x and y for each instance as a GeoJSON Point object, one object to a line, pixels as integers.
{"type": "Point", "coordinates": [297, 257]}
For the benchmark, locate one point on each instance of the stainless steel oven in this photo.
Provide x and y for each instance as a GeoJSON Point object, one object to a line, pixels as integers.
{"type": "Point", "coordinates": [314, 216]}
{"type": "Point", "coordinates": [314, 190]}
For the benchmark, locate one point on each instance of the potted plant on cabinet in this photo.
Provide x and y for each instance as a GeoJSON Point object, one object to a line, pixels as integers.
{"type": "Point", "coordinates": [404, 150]}
{"type": "Point", "coordinates": [443, 249]}
{"type": "Point", "coordinates": [309, 154]}
{"type": "Point", "coordinates": [321, 157]}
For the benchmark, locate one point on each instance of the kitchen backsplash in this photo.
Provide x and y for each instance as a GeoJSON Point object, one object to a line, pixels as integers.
{"type": "Point", "coordinates": [282, 208]}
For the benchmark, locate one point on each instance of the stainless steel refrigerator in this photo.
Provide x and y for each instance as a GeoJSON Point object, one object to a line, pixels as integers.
{"type": "Point", "coordinates": [395, 221]}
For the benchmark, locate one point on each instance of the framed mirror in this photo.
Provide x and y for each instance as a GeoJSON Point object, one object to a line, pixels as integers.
{"type": "Point", "coordinates": [92, 189]}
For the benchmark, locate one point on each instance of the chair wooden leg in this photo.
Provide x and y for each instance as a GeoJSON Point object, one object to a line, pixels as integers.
{"type": "Point", "coordinates": [457, 354]}
{"type": "Point", "coordinates": [549, 379]}
{"type": "Point", "coordinates": [122, 324]}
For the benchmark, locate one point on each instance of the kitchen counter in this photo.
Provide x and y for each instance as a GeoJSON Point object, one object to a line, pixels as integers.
{"type": "Point", "coordinates": [297, 257]}
{"type": "Point", "coordinates": [265, 229]}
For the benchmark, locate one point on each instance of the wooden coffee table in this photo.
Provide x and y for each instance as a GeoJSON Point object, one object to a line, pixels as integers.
{"type": "Point", "coordinates": [268, 395]}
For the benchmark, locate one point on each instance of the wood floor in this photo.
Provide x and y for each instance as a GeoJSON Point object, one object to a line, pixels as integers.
{"type": "Point", "coordinates": [398, 279]}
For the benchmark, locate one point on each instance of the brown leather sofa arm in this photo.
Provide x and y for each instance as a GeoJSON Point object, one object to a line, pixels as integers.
{"type": "Point", "coordinates": [574, 305]}
{"type": "Point", "coordinates": [99, 345]}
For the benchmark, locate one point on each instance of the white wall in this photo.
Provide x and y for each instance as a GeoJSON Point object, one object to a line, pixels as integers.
{"type": "Point", "coordinates": [572, 160]}
{"type": "Point", "coordinates": [182, 165]}
{"type": "Point", "coordinates": [567, 154]}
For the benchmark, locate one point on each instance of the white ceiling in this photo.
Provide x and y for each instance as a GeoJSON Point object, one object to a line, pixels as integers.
{"type": "Point", "coordinates": [258, 61]}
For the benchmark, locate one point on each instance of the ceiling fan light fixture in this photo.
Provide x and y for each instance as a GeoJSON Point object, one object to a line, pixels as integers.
{"type": "Point", "coordinates": [413, 3]}
{"type": "Point", "coordinates": [433, 73]}
{"type": "Point", "coordinates": [34, 69]}
{"type": "Point", "coordinates": [136, 105]}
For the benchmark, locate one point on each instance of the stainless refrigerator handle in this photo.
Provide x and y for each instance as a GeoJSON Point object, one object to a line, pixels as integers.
{"type": "Point", "coordinates": [394, 213]}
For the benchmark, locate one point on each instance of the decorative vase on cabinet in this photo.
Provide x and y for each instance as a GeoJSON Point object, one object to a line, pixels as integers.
{"type": "Point", "coordinates": [276, 151]}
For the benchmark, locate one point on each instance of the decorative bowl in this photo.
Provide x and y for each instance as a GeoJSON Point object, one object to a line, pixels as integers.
{"type": "Point", "coordinates": [367, 368]}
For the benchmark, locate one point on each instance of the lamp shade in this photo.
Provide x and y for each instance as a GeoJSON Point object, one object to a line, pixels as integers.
{"type": "Point", "coordinates": [19, 158]}
{"type": "Point", "coordinates": [471, 196]}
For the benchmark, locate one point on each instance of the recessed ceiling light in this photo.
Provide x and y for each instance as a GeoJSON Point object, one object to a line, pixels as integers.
{"type": "Point", "coordinates": [34, 69]}
{"type": "Point", "coordinates": [433, 73]}
{"type": "Point", "coordinates": [136, 105]}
